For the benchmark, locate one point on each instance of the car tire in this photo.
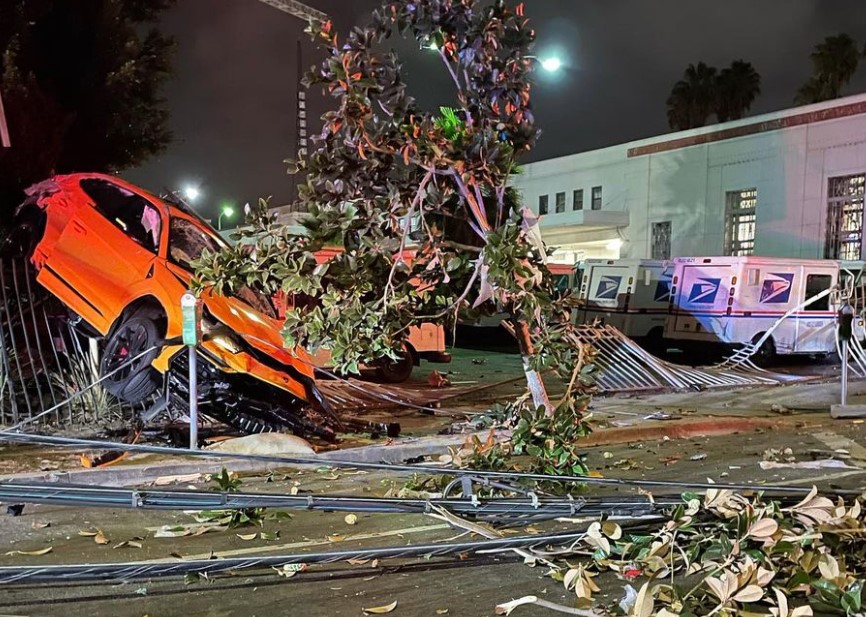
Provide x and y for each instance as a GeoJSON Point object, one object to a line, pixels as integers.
{"type": "Point", "coordinates": [396, 371]}
{"type": "Point", "coordinates": [24, 235]}
{"type": "Point", "coordinates": [128, 339]}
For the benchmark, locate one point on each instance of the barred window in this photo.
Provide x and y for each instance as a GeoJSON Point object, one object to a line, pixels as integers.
{"type": "Point", "coordinates": [740, 222]}
{"type": "Point", "coordinates": [661, 240]}
{"type": "Point", "coordinates": [845, 217]}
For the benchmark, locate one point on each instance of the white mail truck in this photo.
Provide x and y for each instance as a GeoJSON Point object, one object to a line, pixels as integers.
{"type": "Point", "coordinates": [734, 301]}
{"type": "Point", "coordinates": [633, 295]}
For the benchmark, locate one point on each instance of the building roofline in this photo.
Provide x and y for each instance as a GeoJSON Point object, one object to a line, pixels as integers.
{"type": "Point", "coordinates": [786, 118]}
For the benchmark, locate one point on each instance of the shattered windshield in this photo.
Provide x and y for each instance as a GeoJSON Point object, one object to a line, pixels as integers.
{"type": "Point", "coordinates": [187, 241]}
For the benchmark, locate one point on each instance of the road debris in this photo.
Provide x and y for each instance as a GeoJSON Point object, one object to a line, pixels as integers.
{"type": "Point", "coordinates": [785, 455]}
{"type": "Point", "coordinates": [43, 551]}
{"type": "Point", "coordinates": [829, 463]}
{"type": "Point", "coordinates": [380, 610]}
{"type": "Point", "coordinates": [265, 443]}
{"type": "Point", "coordinates": [438, 380]}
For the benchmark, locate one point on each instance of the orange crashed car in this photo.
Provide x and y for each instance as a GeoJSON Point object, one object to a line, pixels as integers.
{"type": "Point", "coordinates": [120, 258]}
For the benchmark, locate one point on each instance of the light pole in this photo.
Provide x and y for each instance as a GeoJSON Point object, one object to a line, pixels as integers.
{"type": "Point", "coordinates": [225, 211]}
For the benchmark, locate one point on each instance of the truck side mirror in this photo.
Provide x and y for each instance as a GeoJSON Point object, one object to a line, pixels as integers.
{"type": "Point", "coordinates": [845, 319]}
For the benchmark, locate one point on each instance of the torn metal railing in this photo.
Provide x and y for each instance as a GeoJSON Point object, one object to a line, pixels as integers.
{"type": "Point", "coordinates": [742, 358]}
{"type": "Point", "coordinates": [45, 362]}
{"type": "Point", "coordinates": [500, 510]}
{"type": "Point", "coordinates": [623, 366]}
{"type": "Point", "coordinates": [148, 569]}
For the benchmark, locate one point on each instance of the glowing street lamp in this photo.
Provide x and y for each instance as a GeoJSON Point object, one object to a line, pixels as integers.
{"type": "Point", "coordinates": [191, 193]}
{"type": "Point", "coordinates": [227, 211]}
{"type": "Point", "coordinates": [551, 64]}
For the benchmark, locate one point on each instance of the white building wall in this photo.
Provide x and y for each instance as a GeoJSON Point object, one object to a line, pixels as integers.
{"type": "Point", "coordinates": [687, 186]}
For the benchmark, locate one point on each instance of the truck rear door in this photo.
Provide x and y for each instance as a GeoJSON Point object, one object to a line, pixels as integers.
{"type": "Point", "coordinates": [816, 323]}
{"type": "Point", "coordinates": [605, 289]}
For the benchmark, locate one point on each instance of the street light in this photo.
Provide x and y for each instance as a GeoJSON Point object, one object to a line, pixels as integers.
{"type": "Point", "coordinates": [226, 211]}
{"type": "Point", "coordinates": [551, 64]}
{"type": "Point", "coordinates": [192, 193]}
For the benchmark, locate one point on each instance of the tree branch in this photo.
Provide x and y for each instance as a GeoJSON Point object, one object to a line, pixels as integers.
{"type": "Point", "coordinates": [474, 207]}
{"type": "Point", "coordinates": [407, 222]}
{"type": "Point", "coordinates": [450, 70]}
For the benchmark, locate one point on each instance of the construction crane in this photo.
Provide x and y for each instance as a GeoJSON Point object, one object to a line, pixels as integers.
{"type": "Point", "coordinates": [297, 9]}
{"type": "Point", "coordinates": [308, 13]}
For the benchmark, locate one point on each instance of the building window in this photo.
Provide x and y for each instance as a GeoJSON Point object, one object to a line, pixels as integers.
{"type": "Point", "coordinates": [596, 198]}
{"type": "Point", "coordinates": [560, 202]}
{"type": "Point", "coordinates": [845, 217]}
{"type": "Point", "coordinates": [661, 240]}
{"type": "Point", "coordinates": [542, 204]}
{"type": "Point", "coordinates": [740, 218]}
{"type": "Point", "coordinates": [577, 200]}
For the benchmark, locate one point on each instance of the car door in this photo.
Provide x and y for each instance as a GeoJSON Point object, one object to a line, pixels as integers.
{"type": "Point", "coordinates": [107, 250]}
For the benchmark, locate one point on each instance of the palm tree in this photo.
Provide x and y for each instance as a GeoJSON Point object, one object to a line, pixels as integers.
{"type": "Point", "coordinates": [737, 87]}
{"type": "Point", "coordinates": [692, 98]}
{"type": "Point", "coordinates": [835, 61]}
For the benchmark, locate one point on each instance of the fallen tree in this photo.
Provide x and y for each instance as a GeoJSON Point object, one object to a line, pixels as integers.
{"type": "Point", "coordinates": [386, 177]}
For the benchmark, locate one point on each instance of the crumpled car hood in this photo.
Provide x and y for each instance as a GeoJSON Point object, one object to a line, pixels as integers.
{"type": "Point", "coordinates": [260, 331]}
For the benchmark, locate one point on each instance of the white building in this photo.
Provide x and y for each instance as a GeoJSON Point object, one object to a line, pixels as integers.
{"type": "Point", "coordinates": [786, 184]}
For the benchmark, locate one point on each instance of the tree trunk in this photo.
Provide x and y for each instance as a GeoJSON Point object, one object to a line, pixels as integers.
{"type": "Point", "coordinates": [537, 389]}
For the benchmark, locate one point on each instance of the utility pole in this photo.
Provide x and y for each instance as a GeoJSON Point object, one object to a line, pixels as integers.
{"type": "Point", "coordinates": [307, 13]}
{"type": "Point", "coordinates": [4, 128]}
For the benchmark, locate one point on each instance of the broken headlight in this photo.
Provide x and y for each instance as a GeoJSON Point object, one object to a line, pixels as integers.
{"type": "Point", "coordinates": [218, 333]}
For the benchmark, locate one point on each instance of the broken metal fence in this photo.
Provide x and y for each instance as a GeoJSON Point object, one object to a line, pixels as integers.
{"type": "Point", "coordinates": [623, 366]}
{"type": "Point", "coordinates": [46, 361]}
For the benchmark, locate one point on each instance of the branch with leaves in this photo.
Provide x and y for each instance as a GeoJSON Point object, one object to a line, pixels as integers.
{"type": "Point", "coordinates": [726, 554]}
{"type": "Point", "coordinates": [381, 163]}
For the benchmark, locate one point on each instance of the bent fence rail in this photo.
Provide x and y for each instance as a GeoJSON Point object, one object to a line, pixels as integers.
{"type": "Point", "coordinates": [46, 361]}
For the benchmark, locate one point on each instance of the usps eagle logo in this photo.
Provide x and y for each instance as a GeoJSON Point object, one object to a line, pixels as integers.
{"type": "Point", "coordinates": [704, 291]}
{"type": "Point", "coordinates": [608, 287]}
{"type": "Point", "coordinates": [777, 288]}
{"type": "Point", "coordinates": [663, 291]}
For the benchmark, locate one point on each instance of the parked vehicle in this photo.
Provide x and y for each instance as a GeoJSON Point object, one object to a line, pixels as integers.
{"type": "Point", "coordinates": [426, 341]}
{"type": "Point", "coordinates": [120, 258]}
{"type": "Point", "coordinates": [733, 301]}
{"type": "Point", "coordinates": [633, 295]}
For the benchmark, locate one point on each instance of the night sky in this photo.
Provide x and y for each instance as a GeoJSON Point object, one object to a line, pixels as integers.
{"type": "Point", "coordinates": [232, 97]}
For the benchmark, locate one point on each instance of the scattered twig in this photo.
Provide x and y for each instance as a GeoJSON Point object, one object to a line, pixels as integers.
{"type": "Point", "coordinates": [506, 607]}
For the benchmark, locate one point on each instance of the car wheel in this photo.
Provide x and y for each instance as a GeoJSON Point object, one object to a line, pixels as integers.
{"type": "Point", "coordinates": [23, 237]}
{"type": "Point", "coordinates": [396, 371]}
{"type": "Point", "coordinates": [766, 353]}
{"type": "Point", "coordinates": [132, 380]}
